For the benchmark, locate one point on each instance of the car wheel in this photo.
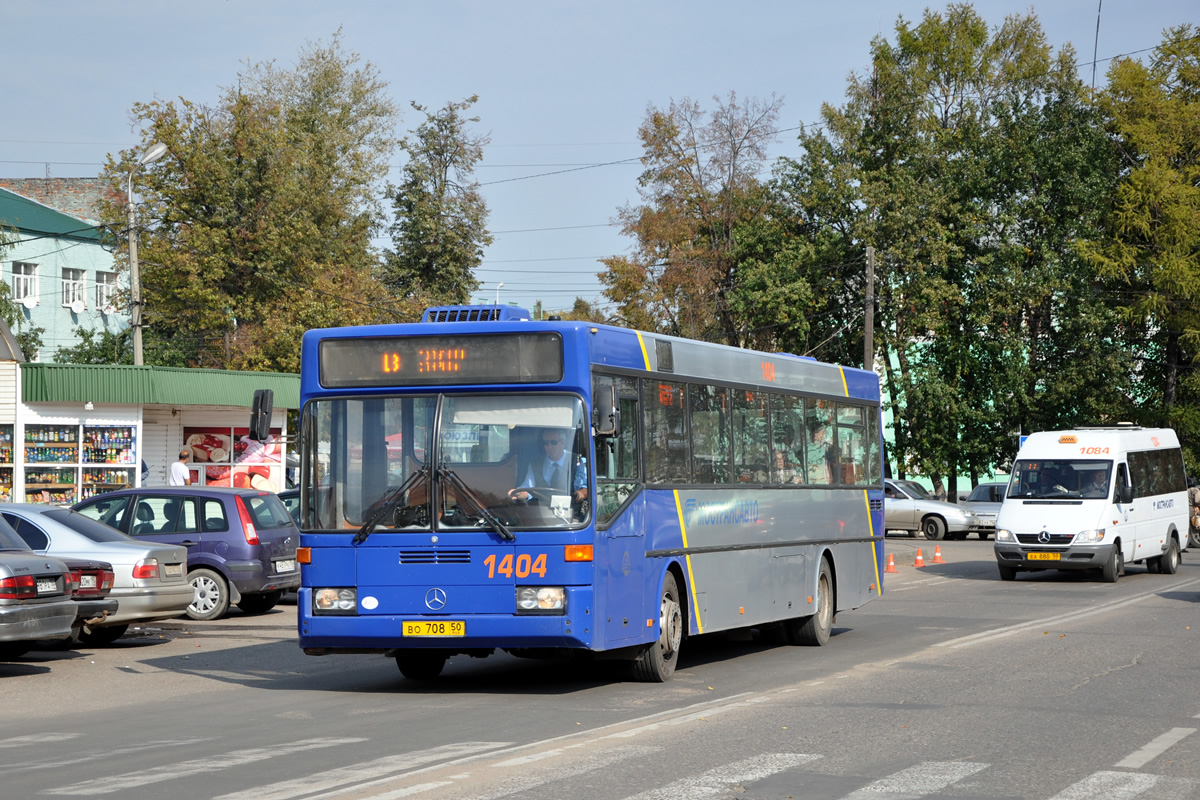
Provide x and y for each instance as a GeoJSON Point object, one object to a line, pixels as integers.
{"type": "Point", "coordinates": [984, 536]}
{"type": "Point", "coordinates": [421, 665]}
{"type": "Point", "coordinates": [211, 598]}
{"type": "Point", "coordinates": [1168, 562]}
{"type": "Point", "coordinates": [1115, 565]}
{"type": "Point", "coordinates": [100, 636]}
{"type": "Point", "coordinates": [933, 528]}
{"type": "Point", "coordinates": [1194, 538]}
{"type": "Point", "coordinates": [259, 603]}
{"type": "Point", "coordinates": [814, 629]}
{"type": "Point", "coordinates": [656, 663]}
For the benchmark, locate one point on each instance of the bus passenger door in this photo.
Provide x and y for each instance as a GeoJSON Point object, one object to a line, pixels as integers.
{"type": "Point", "coordinates": [620, 509]}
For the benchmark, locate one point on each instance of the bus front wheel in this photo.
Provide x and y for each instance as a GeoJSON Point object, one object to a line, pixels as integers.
{"type": "Point", "coordinates": [814, 629]}
{"type": "Point", "coordinates": [656, 663]}
{"type": "Point", "coordinates": [421, 665]}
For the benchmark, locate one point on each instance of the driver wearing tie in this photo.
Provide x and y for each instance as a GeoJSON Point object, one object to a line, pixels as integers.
{"type": "Point", "coordinates": [553, 470]}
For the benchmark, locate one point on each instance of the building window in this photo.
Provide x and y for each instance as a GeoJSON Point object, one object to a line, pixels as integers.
{"type": "Point", "coordinates": [74, 289]}
{"type": "Point", "coordinates": [106, 290]}
{"type": "Point", "coordinates": [24, 281]}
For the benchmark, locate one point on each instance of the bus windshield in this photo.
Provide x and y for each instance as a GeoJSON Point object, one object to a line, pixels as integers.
{"type": "Point", "coordinates": [1058, 479]}
{"type": "Point", "coordinates": [401, 464]}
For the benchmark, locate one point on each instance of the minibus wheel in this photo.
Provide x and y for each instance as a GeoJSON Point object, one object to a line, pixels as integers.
{"type": "Point", "coordinates": [1115, 565]}
{"type": "Point", "coordinates": [1007, 573]}
{"type": "Point", "coordinates": [1168, 562]}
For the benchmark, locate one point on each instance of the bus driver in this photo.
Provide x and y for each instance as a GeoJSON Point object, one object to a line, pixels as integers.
{"type": "Point", "coordinates": [553, 469]}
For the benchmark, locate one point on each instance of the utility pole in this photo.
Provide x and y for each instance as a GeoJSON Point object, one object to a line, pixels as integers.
{"type": "Point", "coordinates": [155, 151]}
{"type": "Point", "coordinates": [869, 333]}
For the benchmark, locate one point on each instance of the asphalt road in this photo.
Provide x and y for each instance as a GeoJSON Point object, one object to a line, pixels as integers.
{"type": "Point", "coordinates": [952, 685]}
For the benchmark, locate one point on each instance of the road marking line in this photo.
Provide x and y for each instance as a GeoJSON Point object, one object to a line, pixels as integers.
{"type": "Point", "coordinates": [199, 766]}
{"type": "Point", "coordinates": [602, 760]}
{"type": "Point", "coordinates": [918, 781]}
{"type": "Point", "coordinates": [385, 768]}
{"type": "Point", "coordinates": [717, 781]}
{"type": "Point", "coordinates": [39, 738]}
{"type": "Point", "coordinates": [1109, 785]}
{"type": "Point", "coordinates": [97, 756]}
{"type": "Point", "coordinates": [1142, 757]}
{"type": "Point", "coordinates": [1009, 630]}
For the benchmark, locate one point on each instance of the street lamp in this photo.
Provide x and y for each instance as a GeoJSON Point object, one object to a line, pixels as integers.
{"type": "Point", "coordinates": [498, 286]}
{"type": "Point", "coordinates": [155, 151]}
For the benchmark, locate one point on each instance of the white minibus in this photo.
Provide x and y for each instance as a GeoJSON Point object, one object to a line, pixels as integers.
{"type": "Point", "coordinates": [1095, 498]}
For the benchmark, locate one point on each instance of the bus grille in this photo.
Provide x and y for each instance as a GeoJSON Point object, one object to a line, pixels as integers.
{"type": "Point", "coordinates": [435, 556]}
{"type": "Point", "coordinates": [1059, 539]}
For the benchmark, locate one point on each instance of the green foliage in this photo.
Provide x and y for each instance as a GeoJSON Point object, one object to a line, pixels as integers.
{"type": "Point", "coordinates": [29, 337]}
{"type": "Point", "coordinates": [257, 224]}
{"type": "Point", "coordinates": [98, 347]}
{"type": "Point", "coordinates": [440, 229]}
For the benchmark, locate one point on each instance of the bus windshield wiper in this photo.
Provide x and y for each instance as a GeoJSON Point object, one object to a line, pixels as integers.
{"type": "Point", "coordinates": [385, 504]}
{"type": "Point", "coordinates": [491, 518]}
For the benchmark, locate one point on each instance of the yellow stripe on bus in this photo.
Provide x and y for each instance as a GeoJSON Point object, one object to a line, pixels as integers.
{"type": "Point", "coordinates": [845, 389]}
{"type": "Point", "coordinates": [688, 558]}
{"type": "Point", "coordinates": [871, 527]}
{"type": "Point", "coordinates": [645, 356]}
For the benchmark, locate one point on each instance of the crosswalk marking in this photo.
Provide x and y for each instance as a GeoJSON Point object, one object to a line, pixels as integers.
{"type": "Point", "coordinates": [198, 766]}
{"type": "Point", "coordinates": [1109, 785]}
{"type": "Point", "coordinates": [363, 774]}
{"type": "Point", "coordinates": [1143, 756]}
{"type": "Point", "coordinates": [717, 781]}
{"type": "Point", "coordinates": [918, 781]}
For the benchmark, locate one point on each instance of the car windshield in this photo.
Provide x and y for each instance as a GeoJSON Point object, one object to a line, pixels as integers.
{"type": "Point", "coordinates": [1060, 479]}
{"type": "Point", "coordinates": [85, 526]}
{"type": "Point", "coordinates": [501, 460]}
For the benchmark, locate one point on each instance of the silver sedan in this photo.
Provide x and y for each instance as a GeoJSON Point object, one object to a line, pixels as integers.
{"type": "Point", "coordinates": [907, 506]}
{"type": "Point", "coordinates": [149, 579]}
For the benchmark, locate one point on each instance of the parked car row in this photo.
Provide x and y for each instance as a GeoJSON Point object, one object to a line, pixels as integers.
{"type": "Point", "coordinates": [909, 507]}
{"type": "Point", "coordinates": [139, 555]}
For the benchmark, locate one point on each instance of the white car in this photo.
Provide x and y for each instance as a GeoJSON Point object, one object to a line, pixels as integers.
{"type": "Point", "coordinates": [907, 506]}
{"type": "Point", "coordinates": [985, 500]}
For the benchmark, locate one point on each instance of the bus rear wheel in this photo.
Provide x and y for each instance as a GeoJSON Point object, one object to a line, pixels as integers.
{"type": "Point", "coordinates": [421, 665]}
{"type": "Point", "coordinates": [656, 663]}
{"type": "Point", "coordinates": [814, 630]}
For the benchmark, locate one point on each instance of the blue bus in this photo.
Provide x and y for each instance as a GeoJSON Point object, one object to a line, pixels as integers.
{"type": "Point", "coordinates": [481, 481]}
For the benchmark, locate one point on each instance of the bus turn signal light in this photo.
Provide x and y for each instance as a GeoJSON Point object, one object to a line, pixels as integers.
{"type": "Point", "coordinates": [303, 555]}
{"type": "Point", "coordinates": [578, 552]}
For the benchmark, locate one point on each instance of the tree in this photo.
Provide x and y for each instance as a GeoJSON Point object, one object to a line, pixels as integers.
{"type": "Point", "coordinates": [700, 186]}
{"type": "Point", "coordinates": [1150, 244]}
{"type": "Point", "coordinates": [440, 227]}
{"type": "Point", "coordinates": [258, 224]}
{"type": "Point", "coordinates": [98, 347]}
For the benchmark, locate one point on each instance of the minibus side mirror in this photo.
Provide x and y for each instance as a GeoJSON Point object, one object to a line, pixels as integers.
{"type": "Point", "coordinates": [1124, 493]}
{"type": "Point", "coordinates": [606, 413]}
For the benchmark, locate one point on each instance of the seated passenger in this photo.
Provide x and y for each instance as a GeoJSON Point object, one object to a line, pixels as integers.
{"type": "Point", "coordinates": [1098, 486]}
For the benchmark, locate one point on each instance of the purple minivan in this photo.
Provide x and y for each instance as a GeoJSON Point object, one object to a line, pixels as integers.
{"type": "Point", "coordinates": [241, 542]}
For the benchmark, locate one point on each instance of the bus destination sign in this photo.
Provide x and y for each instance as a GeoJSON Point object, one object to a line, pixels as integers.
{"type": "Point", "coordinates": [430, 360]}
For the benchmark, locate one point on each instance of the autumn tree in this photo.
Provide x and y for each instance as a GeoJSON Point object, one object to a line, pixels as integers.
{"type": "Point", "coordinates": [440, 228]}
{"type": "Point", "coordinates": [700, 186]}
{"type": "Point", "coordinates": [257, 226]}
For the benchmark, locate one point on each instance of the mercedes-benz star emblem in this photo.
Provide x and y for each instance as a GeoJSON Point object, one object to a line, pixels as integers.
{"type": "Point", "coordinates": [435, 599]}
{"type": "Point", "coordinates": [1043, 537]}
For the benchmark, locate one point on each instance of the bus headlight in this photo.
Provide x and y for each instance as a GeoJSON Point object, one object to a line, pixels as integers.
{"type": "Point", "coordinates": [1089, 536]}
{"type": "Point", "coordinates": [1005, 535]}
{"type": "Point", "coordinates": [541, 600]}
{"type": "Point", "coordinates": [335, 601]}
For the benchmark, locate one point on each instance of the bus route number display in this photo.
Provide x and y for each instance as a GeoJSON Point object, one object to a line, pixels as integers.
{"type": "Point", "coordinates": [428, 360]}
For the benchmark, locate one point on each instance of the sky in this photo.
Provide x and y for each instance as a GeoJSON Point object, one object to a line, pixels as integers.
{"type": "Point", "coordinates": [562, 86]}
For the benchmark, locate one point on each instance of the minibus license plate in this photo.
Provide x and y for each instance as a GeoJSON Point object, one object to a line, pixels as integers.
{"type": "Point", "coordinates": [1043, 556]}
{"type": "Point", "coordinates": [441, 627]}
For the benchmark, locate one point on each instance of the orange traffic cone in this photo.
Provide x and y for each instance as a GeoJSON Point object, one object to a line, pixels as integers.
{"type": "Point", "coordinates": [937, 555]}
{"type": "Point", "coordinates": [920, 562]}
{"type": "Point", "coordinates": [891, 565]}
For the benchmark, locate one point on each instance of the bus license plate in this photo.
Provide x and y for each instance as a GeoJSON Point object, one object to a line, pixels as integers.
{"type": "Point", "coordinates": [441, 627]}
{"type": "Point", "coordinates": [1043, 556]}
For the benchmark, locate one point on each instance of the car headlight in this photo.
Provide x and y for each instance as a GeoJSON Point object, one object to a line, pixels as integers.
{"type": "Point", "coordinates": [1089, 536]}
{"type": "Point", "coordinates": [335, 600]}
{"type": "Point", "coordinates": [1005, 535]}
{"type": "Point", "coordinates": [541, 600]}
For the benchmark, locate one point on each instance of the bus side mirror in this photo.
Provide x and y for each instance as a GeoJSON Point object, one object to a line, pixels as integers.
{"type": "Point", "coordinates": [606, 413]}
{"type": "Point", "coordinates": [260, 414]}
